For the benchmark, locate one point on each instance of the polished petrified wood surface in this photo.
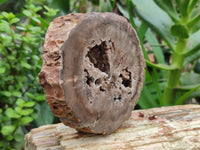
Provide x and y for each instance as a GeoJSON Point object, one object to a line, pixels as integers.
{"type": "Point", "coordinates": [93, 70]}
{"type": "Point", "coordinates": [165, 128]}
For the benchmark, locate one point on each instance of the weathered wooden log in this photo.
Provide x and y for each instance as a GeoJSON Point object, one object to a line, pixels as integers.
{"type": "Point", "coordinates": [93, 71]}
{"type": "Point", "coordinates": [165, 128]}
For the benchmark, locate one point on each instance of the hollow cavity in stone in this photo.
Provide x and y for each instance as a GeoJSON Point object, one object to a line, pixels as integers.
{"type": "Point", "coordinates": [99, 57]}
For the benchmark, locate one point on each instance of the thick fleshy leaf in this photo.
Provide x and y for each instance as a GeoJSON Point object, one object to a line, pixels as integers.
{"type": "Point", "coordinates": [105, 6]}
{"type": "Point", "coordinates": [182, 5]}
{"type": "Point", "coordinates": [156, 18]}
{"type": "Point", "coordinates": [194, 56]}
{"type": "Point", "coordinates": [44, 114]}
{"type": "Point", "coordinates": [151, 38]}
{"type": "Point", "coordinates": [123, 10]}
{"type": "Point", "coordinates": [142, 31]}
{"type": "Point", "coordinates": [168, 6]}
{"type": "Point", "coordinates": [197, 67]}
{"type": "Point", "coordinates": [193, 22]}
{"type": "Point", "coordinates": [158, 53]}
{"type": "Point", "coordinates": [192, 4]}
{"type": "Point", "coordinates": [193, 43]}
{"type": "Point", "coordinates": [161, 66]}
{"type": "Point", "coordinates": [146, 99]}
{"type": "Point", "coordinates": [190, 79]}
{"type": "Point", "coordinates": [186, 95]}
{"type": "Point", "coordinates": [62, 5]}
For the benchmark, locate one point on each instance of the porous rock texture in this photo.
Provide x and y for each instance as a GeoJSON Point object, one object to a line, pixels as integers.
{"type": "Point", "coordinates": [93, 70]}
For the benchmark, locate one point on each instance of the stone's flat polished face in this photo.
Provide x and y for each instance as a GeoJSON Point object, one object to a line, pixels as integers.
{"type": "Point", "coordinates": [93, 71]}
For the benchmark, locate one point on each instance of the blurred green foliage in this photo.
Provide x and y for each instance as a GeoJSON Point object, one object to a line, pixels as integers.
{"type": "Point", "coordinates": [169, 33]}
{"type": "Point", "coordinates": [22, 99]}
{"type": "Point", "coordinates": [176, 51]}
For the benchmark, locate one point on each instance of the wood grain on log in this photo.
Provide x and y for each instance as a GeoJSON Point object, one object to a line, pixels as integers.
{"type": "Point", "coordinates": [165, 128]}
{"type": "Point", "coordinates": [93, 70]}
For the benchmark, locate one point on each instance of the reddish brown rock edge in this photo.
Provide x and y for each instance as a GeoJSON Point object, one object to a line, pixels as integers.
{"type": "Point", "coordinates": [93, 71]}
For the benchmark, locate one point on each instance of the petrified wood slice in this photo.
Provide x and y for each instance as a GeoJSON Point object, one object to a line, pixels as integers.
{"type": "Point", "coordinates": [93, 81]}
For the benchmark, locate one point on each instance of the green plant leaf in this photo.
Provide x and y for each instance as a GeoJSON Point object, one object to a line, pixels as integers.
{"type": "Point", "coordinates": [190, 79]}
{"type": "Point", "coordinates": [20, 102]}
{"type": "Point", "coordinates": [123, 10]}
{"type": "Point", "coordinates": [197, 67]}
{"type": "Point", "coordinates": [34, 8]}
{"type": "Point", "coordinates": [25, 120]}
{"type": "Point", "coordinates": [29, 104]}
{"type": "Point", "coordinates": [44, 23]}
{"type": "Point", "coordinates": [14, 20]}
{"type": "Point", "coordinates": [40, 97]}
{"type": "Point", "coordinates": [142, 31]}
{"type": "Point", "coordinates": [2, 1]}
{"type": "Point", "coordinates": [193, 44]}
{"type": "Point", "coordinates": [193, 22]}
{"type": "Point", "coordinates": [26, 65]}
{"type": "Point", "coordinates": [168, 6]}
{"type": "Point", "coordinates": [12, 113]}
{"type": "Point", "coordinates": [16, 93]}
{"type": "Point", "coordinates": [6, 93]}
{"type": "Point", "coordinates": [105, 6]}
{"type": "Point", "coordinates": [7, 130]}
{"type": "Point", "coordinates": [7, 40]}
{"type": "Point", "coordinates": [21, 28]}
{"type": "Point", "coordinates": [4, 27]}
{"type": "Point", "coordinates": [180, 31]}
{"type": "Point", "coordinates": [151, 38]}
{"type": "Point", "coordinates": [155, 79]}
{"type": "Point", "coordinates": [186, 95]}
{"type": "Point", "coordinates": [156, 18]}
{"type": "Point", "coordinates": [26, 112]}
{"type": "Point", "coordinates": [62, 5]}
{"type": "Point", "coordinates": [192, 58]}
{"type": "Point", "coordinates": [30, 95]}
{"type": "Point", "coordinates": [146, 100]}
{"type": "Point", "coordinates": [161, 66]}
{"type": "Point", "coordinates": [2, 70]}
{"type": "Point", "coordinates": [158, 53]}
{"type": "Point", "coordinates": [27, 13]}
{"type": "Point", "coordinates": [183, 5]}
{"type": "Point", "coordinates": [18, 109]}
{"type": "Point", "coordinates": [192, 5]}
{"type": "Point", "coordinates": [8, 15]}
{"type": "Point", "coordinates": [43, 117]}
{"type": "Point", "coordinates": [50, 12]}
{"type": "Point", "coordinates": [18, 137]}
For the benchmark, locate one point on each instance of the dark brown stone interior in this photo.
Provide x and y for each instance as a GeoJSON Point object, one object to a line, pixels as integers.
{"type": "Point", "coordinates": [99, 57]}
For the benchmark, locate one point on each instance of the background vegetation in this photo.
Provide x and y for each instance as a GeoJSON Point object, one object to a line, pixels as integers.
{"type": "Point", "coordinates": [169, 33]}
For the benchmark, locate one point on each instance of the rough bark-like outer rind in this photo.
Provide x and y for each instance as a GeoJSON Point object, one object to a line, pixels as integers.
{"type": "Point", "coordinates": [92, 81]}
